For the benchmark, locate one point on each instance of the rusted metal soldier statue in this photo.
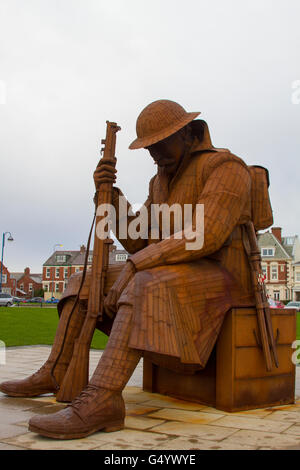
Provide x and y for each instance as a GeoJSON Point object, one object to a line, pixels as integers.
{"type": "Point", "coordinates": [167, 302]}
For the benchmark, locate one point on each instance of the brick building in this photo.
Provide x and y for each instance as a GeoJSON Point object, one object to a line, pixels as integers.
{"type": "Point", "coordinates": [292, 246]}
{"type": "Point", "coordinates": [296, 286]}
{"type": "Point", "coordinates": [62, 264]}
{"type": "Point", "coordinates": [27, 283]}
{"type": "Point", "coordinates": [280, 256]}
{"type": "Point", "coordinates": [8, 282]}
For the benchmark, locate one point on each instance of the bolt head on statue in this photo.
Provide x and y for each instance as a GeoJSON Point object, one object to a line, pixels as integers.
{"type": "Point", "coordinates": [159, 120]}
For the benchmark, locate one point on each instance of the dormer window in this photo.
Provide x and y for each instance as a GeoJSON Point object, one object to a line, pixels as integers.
{"type": "Point", "coordinates": [267, 251]}
{"type": "Point", "coordinates": [121, 257]}
{"type": "Point", "coordinates": [61, 258]}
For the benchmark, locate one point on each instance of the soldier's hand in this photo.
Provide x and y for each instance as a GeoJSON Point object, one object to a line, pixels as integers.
{"type": "Point", "coordinates": [111, 300]}
{"type": "Point", "coordinates": [104, 173]}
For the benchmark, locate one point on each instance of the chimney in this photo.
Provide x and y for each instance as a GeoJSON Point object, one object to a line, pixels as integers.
{"type": "Point", "coordinates": [27, 271]}
{"type": "Point", "coordinates": [82, 249]}
{"type": "Point", "coordinates": [276, 231]}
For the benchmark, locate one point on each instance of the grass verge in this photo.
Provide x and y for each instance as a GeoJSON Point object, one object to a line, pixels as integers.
{"type": "Point", "coordinates": [22, 326]}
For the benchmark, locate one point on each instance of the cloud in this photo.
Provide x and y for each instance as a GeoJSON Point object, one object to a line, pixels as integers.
{"type": "Point", "coordinates": [69, 66]}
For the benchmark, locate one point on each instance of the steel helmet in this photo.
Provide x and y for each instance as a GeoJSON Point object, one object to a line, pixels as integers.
{"type": "Point", "coordinates": [158, 121]}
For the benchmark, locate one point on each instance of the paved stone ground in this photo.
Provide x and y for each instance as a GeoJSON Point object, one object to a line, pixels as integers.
{"type": "Point", "coordinates": [153, 421]}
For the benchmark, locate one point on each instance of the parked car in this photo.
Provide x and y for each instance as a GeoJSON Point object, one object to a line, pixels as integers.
{"type": "Point", "coordinates": [294, 304]}
{"type": "Point", "coordinates": [6, 300]}
{"type": "Point", "coordinates": [52, 301]}
{"type": "Point", "coordinates": [17, 299]}
{"type": "Point", "coordinates": [36, 300]}
{"type": "Point", "coordinates": [273, 303]}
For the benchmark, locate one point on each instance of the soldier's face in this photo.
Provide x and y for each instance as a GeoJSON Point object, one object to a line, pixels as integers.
{"type": "Point", "coordinates": [168, 152]}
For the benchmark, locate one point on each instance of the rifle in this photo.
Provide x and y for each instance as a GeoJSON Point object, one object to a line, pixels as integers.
{"type": "Point", "coordinates": [261, 301]}
{"type": "Point", "coordinates": [77, 374]}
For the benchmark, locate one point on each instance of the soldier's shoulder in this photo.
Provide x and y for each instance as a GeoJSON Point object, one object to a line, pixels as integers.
{"type": "Point", "coordinates": [216, 157]}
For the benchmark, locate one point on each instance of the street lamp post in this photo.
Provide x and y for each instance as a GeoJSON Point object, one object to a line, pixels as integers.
{"type": "Point", "coordinates": [10, 239]}
{"type": "Point", "coordinates": [57, 244]}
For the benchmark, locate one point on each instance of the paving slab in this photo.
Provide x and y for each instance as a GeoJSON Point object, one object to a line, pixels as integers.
{"type": "Point", "coordinates": [263, 440]}
{"type": "Point", "coordinates": [205, 431]}
{"type": "Point", "coordinates": [8, 447]}
{"type": "Point", "coordinates": [183, 443]}
{"type": "Point", "coordinates": [197, 417]}
{"type": "Point", "coordinates": [141, 423]}
{"type": "Point", "coordinates": [153, 421]}
{"type": "Point", "coordinates": [240, 422]}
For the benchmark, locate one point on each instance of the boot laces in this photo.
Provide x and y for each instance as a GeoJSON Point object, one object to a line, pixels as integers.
{"type": "Point", "coordinates": [88, 393]}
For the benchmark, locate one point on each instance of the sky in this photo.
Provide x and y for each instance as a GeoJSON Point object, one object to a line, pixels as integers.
{"type": "Point", "coordinates": [67, 66]}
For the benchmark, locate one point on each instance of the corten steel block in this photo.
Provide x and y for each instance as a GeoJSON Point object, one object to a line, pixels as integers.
{"type": "Point", "coordinates": [235, 377]}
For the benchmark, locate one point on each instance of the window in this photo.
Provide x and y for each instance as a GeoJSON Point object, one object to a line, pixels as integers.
{"type": "Point", "coordinates": [57, 287]}
{"type": "Point", "coordinates": [56, 272]}
{"type": "Point", "coordinates": [77, 270]}
{"type": "Point", "coordinates": [90, 258]}
{"type": "Point", "coordinates": [264, 269]}
{"type": "Point", "coordinates": [46, 287]}
{"type": "Point", "coordinates": [274, 272]}
{"type": "Point", "coordinates": [4, 278]}
{"type": "Point", "coordinates": [61, 258]}
{"type": "Point", "coordinates": [289, 240]}
{"type": "Point", "coordinates": [48, 273]}
{"type": "Point", "coordinates": [121, 257]}
{"type": "Point", "coordinates": [66, 272]}
{"type": "Point", "coordinates": [297, 276]}
{"type": "Point", "coordinates": [281, 267]}
{"type": "Point", "coordinates": [267, 251]}
{"type": "Point", "coordinates": [30, 287]}
{"type": "Point", "coordinates": [22, 286]}
{"type": "Point", "coordinates": [276, 294]}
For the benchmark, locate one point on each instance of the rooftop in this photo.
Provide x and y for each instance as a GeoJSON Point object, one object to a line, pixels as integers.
{"type": "Point", "coordinates": [267, 239]}
{"type": "Point", "coordinates": [77, 258]}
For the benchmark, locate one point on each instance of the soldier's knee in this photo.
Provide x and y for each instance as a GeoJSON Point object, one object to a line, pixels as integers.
{"type": "Point", "coordinates": [73, 286]}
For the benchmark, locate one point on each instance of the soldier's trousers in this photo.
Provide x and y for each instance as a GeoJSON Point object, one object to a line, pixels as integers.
{"type": "Point", "coordinates": [117, 362]}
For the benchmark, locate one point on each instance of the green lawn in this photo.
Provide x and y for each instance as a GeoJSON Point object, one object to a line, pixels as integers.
{"type": "Point", "coordinates": [298, 325]}
{"type": "Point", "coordinates": [20, 326]}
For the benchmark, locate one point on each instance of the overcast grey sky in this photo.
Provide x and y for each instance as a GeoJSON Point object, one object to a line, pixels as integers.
{"type": "Point", "coordinates": [69, 65]}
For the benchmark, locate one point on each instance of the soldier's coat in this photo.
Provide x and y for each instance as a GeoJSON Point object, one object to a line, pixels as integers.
{"type": "Point", "coordinates": [180, 297]}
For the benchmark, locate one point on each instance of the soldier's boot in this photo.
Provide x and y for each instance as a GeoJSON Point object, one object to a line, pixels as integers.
{"type": "Point", "coordinates": [48, 378]}
{"type": "Point", "coordinates": [100, 406]}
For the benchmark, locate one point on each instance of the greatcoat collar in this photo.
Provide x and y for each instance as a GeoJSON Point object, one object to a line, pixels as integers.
{"type": "Point", "coordinates": [201, 143]}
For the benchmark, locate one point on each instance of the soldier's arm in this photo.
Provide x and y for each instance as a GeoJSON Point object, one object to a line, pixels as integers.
{"type": "Point", "coordinates": [226, 191]}
{"type": "Point", "coordinates": [123, 220]}
{"type": "Point", "coordinates": [106, 173]}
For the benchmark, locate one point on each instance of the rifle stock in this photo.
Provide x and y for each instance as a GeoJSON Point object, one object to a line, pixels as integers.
{"type": "Point", "coordinates": [76, 377]}
{"type": "Point", "coordinates": [262, 305]}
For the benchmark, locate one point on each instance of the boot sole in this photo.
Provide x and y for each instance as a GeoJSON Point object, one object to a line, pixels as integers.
{"type": "Point", "coordinates": [25, 395]}
{"type": "Point", "coordinates": [109, 427]}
